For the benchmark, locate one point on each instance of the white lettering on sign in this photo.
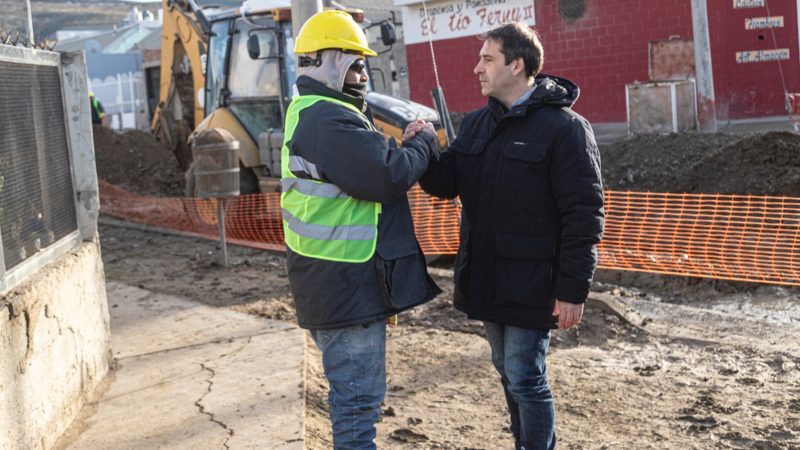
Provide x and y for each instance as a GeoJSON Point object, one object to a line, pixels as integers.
{"type": "Point", "coordinates": [757, 23]}
{"type": "Point", "coordinates": [457, 18]}
{"type": "Point", "coordinates": [741, 4]}
{"type": "Point", "coordinates": [779, 54]}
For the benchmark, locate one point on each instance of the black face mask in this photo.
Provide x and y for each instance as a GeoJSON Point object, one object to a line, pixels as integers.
{"type": "Point", "coordinates": [355, 89]}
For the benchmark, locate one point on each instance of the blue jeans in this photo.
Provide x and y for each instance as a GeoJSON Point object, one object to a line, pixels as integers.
{"type": "Point", "coordinates": [519, 355]}
{"type": "Point", "coordinates": [354, 359]}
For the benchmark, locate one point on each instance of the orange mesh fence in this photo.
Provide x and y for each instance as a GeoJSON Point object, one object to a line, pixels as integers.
{"type": "Point", "coordinates": [733, 237]}
{"type": "Point", "coordinates": [256, 219]}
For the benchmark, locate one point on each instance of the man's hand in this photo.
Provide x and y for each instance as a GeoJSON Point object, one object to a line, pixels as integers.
{"type": "Point", "coordinates": [412, 129]}
{"type": "Point", "coordinates": [569, 314]}
{"type": "Point", "coordinates": [418, 126]}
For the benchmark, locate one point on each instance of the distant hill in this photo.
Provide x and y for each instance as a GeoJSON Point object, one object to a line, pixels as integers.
{"type": "Point", "coordinates": [53, 15]}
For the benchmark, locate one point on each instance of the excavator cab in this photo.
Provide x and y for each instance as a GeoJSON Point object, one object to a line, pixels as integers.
{"type": "Point", "coordinates": [249, 73]}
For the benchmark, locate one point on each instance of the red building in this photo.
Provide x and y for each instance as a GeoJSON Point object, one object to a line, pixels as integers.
{"type": "Point", "coordinates": [604, 45]}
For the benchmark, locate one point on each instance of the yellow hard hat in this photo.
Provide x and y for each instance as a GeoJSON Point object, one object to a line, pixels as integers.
{"type": "Point", "coordinates": [332, 30]}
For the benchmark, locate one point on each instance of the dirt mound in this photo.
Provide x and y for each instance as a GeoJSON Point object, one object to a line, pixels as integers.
{"type": "Point", "coordinates": [656, 162]}
{"type": "Point", "coordinates": [765, 163]}
{"type": "Point", "coordinates": [137, 162]}
{"type": "Point", "coordinates": [760, 164]}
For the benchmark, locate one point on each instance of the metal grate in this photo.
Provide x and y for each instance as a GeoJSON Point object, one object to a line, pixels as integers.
{"type": "Point", "coordinates": [37, 206]}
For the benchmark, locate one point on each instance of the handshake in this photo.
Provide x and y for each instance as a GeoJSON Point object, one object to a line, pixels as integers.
{"type": "Point", "coordinates": [418, 126]}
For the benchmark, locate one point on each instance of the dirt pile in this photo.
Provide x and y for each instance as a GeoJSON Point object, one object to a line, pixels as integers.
{"type": "Point", "coordinates": [763, 163]}
{"type": "Point", "coordinates": [137, 162]}
{"type": "Point", "coordinates": [759, 163]}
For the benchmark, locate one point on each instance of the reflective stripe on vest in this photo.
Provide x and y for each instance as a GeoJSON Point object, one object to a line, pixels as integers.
{"type": "Point", "coordinates": [319, 219]}
{"type": "Point", "coordinates": [298, 164]}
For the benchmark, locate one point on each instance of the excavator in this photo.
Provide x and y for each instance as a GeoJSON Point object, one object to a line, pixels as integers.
{"type": "Point", "coordinates": [235, 70]}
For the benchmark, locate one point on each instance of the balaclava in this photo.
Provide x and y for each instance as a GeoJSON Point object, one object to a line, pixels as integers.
{"type": "Point", "coordinates": [329, 67]}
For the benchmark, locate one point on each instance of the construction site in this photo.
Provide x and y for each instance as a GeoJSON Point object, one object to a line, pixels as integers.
{"type": "Point", "coordinates": [147, 304]}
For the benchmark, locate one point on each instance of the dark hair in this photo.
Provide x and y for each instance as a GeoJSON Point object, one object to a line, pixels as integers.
{"type": "Point", "coordinates": [518, 40]}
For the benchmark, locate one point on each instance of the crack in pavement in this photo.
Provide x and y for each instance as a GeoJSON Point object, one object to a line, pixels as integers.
{"type": "Point", "coordinates": [202, 409]}
{"type": "Point", "coordinates": [241, 347]}
{"type": "Point", "coordinates": [216, 341]}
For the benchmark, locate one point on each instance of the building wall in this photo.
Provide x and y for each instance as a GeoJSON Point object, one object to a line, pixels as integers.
{"type": "Point", "coordinates": [752, 89]}
{"type": "Point", "coordinates": [608, 48]}
{"type": "Point", "coordinates": [54, 338]}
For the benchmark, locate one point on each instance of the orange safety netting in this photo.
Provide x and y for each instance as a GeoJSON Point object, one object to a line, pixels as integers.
{"type": "Point", "coordinates": [256, 219]}
{"type": "Point", "coordinates": [733, 237]}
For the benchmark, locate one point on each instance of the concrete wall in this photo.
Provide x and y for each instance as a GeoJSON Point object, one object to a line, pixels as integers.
{"type": "Point", "coordinates": [607, 48]}
{"type": "Point", "coordinates": [54, 338]}
{"type": "Point", "coordinates": [54, 321]}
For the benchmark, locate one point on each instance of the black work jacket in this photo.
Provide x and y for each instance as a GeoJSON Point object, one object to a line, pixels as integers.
{"type": "Point", "coordinates": [532, 196]}
{"type": "Point", "coordinates": [363, 164]}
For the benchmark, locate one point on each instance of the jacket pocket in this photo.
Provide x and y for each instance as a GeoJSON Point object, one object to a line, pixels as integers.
{"type": "Point", "coordinates": [401, 275]}
{"type": "Point", "coordinates": [523, 176]}
{"type": "Point", "coordinates": [523, 272]}
{"type": "Point", "coordinates": [531, 152]}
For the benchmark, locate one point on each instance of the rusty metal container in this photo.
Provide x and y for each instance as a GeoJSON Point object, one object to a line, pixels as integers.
{"type": "Point", "coordinates": [216, 167]}
{"type": "Point", "coordinates": [661, 107]}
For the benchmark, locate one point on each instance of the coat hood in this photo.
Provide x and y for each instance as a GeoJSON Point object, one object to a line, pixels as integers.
{"type": "Point", "coordinates": [556, 91]}
{"type": "Point", "coordinates": [550, 90]}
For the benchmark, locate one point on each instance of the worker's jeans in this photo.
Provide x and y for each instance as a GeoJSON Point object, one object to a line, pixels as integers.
{"type": "Point", "coordinates": [519, 355]}
{"type": "Point", "coordinates": [354, 359]}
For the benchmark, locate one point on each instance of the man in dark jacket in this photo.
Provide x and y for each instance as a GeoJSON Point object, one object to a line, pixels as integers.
{"type": "Point", "coordinates": [527, 170]}
{"type": "Point", "coordinates": [352, 256]}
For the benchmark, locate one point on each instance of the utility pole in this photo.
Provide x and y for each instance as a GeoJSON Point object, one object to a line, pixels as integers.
{"type": "Point", "coordinates": [301, 11]}
{"type": "Point", "coordinates": [706, 105]}
{"type": "Point", "coordinates": [30, 23]}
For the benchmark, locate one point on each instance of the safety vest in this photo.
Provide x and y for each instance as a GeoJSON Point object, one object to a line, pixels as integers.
{"type": "Point", "coordinates": [319, 219]}
{"type": "Point", "coordinates": [96, 108]}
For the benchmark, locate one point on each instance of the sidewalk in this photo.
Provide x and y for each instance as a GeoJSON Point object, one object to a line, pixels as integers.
{"type": "Point", "coordinates": [190, 376]}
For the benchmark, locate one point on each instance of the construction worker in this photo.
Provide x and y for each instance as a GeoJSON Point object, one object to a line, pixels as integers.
{"type": "Point", "coordinates": [527, 170]}
{"type": "Point", "coordinates": [353, 260]}
{"type": "Point", "coordinates": [98, 113]}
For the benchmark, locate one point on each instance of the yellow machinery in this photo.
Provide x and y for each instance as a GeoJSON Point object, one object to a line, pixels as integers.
{"type": "Point", "coordinates": [235, 70]}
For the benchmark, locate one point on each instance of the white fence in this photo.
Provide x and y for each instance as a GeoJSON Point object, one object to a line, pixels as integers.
{"type": "Point", "coordinates": [124, 98]}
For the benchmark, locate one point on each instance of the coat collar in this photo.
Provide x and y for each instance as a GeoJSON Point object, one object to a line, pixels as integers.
{"type": "Point", "coordinates": [550, 90]}
{"type": "Point", "coordinates": [309, 86]}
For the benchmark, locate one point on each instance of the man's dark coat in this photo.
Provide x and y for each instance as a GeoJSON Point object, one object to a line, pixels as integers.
{"type": "Point", "coordinates": [532, 196]}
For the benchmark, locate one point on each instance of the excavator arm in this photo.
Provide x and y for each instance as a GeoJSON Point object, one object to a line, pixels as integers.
{"type": "Point", "coordinates": [183, 54]}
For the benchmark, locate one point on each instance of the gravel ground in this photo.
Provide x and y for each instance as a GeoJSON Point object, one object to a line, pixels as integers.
{"type": "Point", "coordinates": [711, 364]}
{"type": "Point", "coordinates": [702, 374]}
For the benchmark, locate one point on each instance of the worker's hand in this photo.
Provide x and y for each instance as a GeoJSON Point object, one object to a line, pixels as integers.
{"type": "Point", "coordinates": [428, 128]}
{"type": "Point", "coordinates": [413, 128]}
{"type": "Point", "coordinates": [569, 314]}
